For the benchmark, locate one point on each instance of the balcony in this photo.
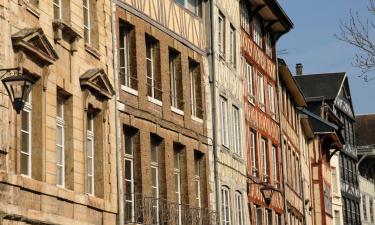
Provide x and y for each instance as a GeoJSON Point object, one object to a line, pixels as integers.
{"type": "Point", "coordinates": [140, 209]}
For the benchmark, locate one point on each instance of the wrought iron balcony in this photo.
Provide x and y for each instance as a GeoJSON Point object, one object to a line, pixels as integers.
{"type": "Point", "coordinates": [140, 209]}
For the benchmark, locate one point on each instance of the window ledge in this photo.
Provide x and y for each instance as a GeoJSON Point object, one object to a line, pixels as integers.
{"type": "Point", "coordinates": [129, 90]}
{"type": "Point", "coordinates": [178, 111]}
{"type": "Point", "coordinates": [238, 157]}
{"type": "Point", "coordinates": [64, 30]}
{"type": "Point", "coordinates": [155, 101]}
{"type": "Point", "coordinates": [93, 51]}
{"type": "Point", "coordinates": [199, 120]}
{"type": "Point", "coordinates": [32, 9]}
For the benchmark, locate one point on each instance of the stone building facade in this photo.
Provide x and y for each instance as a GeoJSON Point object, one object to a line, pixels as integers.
{"type": "Point", "coordinates": [58, 157]}
{"type": "Point", "coordinates": [164, 140]}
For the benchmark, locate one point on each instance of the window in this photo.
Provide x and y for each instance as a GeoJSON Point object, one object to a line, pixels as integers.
{"type": "Point", "coordinates": [245, 17]}
{"type": "Point", "coordinates": [153, 75]}
{"type": "Point", "coordinates": [259, 215]}
{"type": "Point", "coordinates": [269, 44]}
{"type": "Point", "coordinates": [26, 138]}
{"type": "Point", "coordinates": [249, 76]}
{"type": "Point", "coordinates": [232, 46]}
{"type": "Point", "coordinates": [129, 176]}
{"type": "Point", "coordinates": [60, 142]}
{"type": "Point", "coordinates": [254, 157]}
{"type": "Point", "coordinates": [239, 209]}
{"type": "Point", "coordinates": [271, 95]}
{"type": "Point", "coordinates": [264, 158]}
{"type": "Point", "coordinates": [155, 178]}
{"type": "Point", "coordinates": [90, 152]}
{"type": "Point", "coordinates": [269, 216]}
{"type": "Point", "coordinates": [278, 219]}
{"type": "Point", "coordinates": [127, 57]}
{"type": "Point", "coordinates": [334, 180]}
{"type": "Point", "coordinates": [225, 207]}
{"type": "Point", "coordinates": [364, 207]}
{"type": "Point", "coordinates": [236, 131]}
{"type": "Point", "coordinates": [224, 121]}
{"type": "Point", "coordinates": [193, 6]}
{"type": "Point", "coordinates": [337, 217]}
{"type": "Point", "coordinates": [257, 31]}
{"type": "Point", "coordinates": [87, 21]}
{"type": "Point", "coordinates": [371, 209]}
{"type": "Point", "coordinates": [197, 180]}
{"type": "Point", "coordinates": [175, 74]}
{"type": "Point", "coordinates": [275, 165]}
{"type": "Point", "coordinates": [261, 92]}
{"type": "Point", "coordinates": [195, 90]}
{"type": "Point", "coordinates": [57, 9]}
{"type": "Point", "coordinates": [221, 34]}
{"type": "Point", "coordinates": [177, 182]}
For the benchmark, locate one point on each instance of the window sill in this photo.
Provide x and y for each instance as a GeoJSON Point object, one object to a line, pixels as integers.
{"type": "Point", "coordinates": [155, 101]}
{"type": "Point", "coordinates": [178, 111]}
{"type": "Point", "coordinates": [237, 157]}
{"type": "Point", "coordinates": [129, 90]}
{"type": "Point", "coordinates": [32, 9]}
{"type": "Point", "coordinates": [64, 30]}
{"type": "Point", "coordinates": [196, 119]}
{"type": "Point", "coordinates": [94, 52]}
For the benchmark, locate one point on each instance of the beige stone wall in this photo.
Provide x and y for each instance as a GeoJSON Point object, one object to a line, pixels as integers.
{"type": "Point", "coordinates": [37, 199]}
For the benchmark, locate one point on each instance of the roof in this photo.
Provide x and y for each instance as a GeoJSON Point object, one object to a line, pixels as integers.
{"type": "Point", "coordinates": [325, 85]}
{"type": "Point", "coordinates": [364, 127]}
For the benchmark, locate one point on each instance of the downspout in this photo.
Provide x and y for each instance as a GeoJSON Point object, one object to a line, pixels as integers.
{"type": "Point", "coordinates": [120, 207]}
{"type": "Point", "coordinates": [213, 105]}
{"type": "Point", "coordinates": [282, 140]}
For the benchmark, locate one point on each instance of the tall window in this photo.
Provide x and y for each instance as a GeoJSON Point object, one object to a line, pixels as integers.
{"type": "Point", "coordinates": [177, 182]}
{"type": "Point", "coordinates": [264, 158]}
{"type": "Point", "coordinates": [275, 166]}
{"type": "Point", "coordinates": [155, 178]}
{"type": "Point", "coordinates": [221, 34]}
{"type": "Point", "coordinates": [257, 31]}
{"type": "Point", "coordinates": [259, 214]}
{"type": "Point", "coordinates": [250, 85]}
{"type": "Point", "coordinates": [60, 142]}
{"type": "Point", "coordinates": [232, 45]}
{"type": "Point", "coordinates": [371, 208]}
{"type": "Point", "coordinates": [239, 209]}
{"type": "Point", "coordinates": [129, 176]}
{"type": "Point", "coordinates": [175, 80]}
{"type": "Point", "coordinates": [57, 9]}
{"type": "Point", "coordinates": [271, 96]}
{"type": "Point", "coordinates": [87, 21]}
{"type": "Point", "coordinates": [278, 219]}
{"type": "Point", "coordinates": [224, 121]}
{"type": "Point", "coordinates": [364, 207]}
{"type": "Point", "coordinates": [127, 42]}
{"type": "Point", "coordinates": [195, 90]}
{"type": "Point", "coordinates": [225, 207]}
{"type": "Point", "coordinates": [197, 180]}
{"type": "Point", "coordinates": [269, 217]}
{"type": "Point", "coordinates": [334, 180]}
{"type": "Point", "coordinates": [261, 93]}
{"type": "Point", "coordinates": [152, 69]}
{"type": "Point", "coordinates": [90, 152]}
{"type": "Point", "coordinates": [269, 44]}
{"type": "Point", "coordinates": [26, 138]}
{"type": "Point", "coordinates": [254, 156]}
{"type": "Point", "coordinates": [236, 131]}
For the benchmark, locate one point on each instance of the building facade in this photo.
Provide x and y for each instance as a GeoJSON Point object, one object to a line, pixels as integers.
{"type": "Point", "coordinates": [262, 24]}
{"type": "Point", "coordinates": [164, 142]}
{"type": "Point", "coordinates": [58, 157]}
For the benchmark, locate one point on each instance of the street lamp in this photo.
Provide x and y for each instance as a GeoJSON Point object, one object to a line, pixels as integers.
{"type": "Point", "coordinates": [18, 86]}
{"type": "Point", "coordinates": [267, 193]}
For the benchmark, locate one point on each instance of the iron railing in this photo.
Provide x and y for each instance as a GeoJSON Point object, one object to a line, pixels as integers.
{"type": "Point", "coordinates": [140, 209]}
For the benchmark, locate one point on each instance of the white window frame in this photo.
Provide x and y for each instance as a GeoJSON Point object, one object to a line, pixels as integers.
{"type": "Point", "coordinates": [90, 135]}
{"type": "Point", "coordinates": [232, 45]}
{"type": "Point", "coordinates": [263, 144]}
{"type": "Point", "coordinates": [269, 212]}
{"type": "Point", "coordinates": [177, 175]}
{"type": "Point", "coordinates": [57, 5]}
{"type": "Point", "coordinates": [239, 208]}
{"type": "Point", "coordinates": [224, 121]}
{"type": "Point", "coordinates": [225, 206]}
{"type": "Point", "coordinates": [193, 93]}
{"type": "Point", "coordinates": [150, 74]}
{"type": "Point", "coordinates": [124, 64]}
{"type": "Point", "coordinates": [275, 165]}
{"type": "Point", "coordinates": [271, 96]}
{"type": "Point", "coordinates": [257, 31]}
{"type": "Point", "coordinates": [173, 80]}
{"type": "Point", "coordinates": [197, 180]}
{"type": "Point", "coordinates": [87, 22]}
{"type": "Point", "coordinates": [236, 135]}
{"type": "Point", "coordinates": [255, 163]}
{"type": "Point", "coordinates": [130, 158]}
{"type": "Point", "coordinates": [268, 44]}
{"type": "Point", "coordinates": [155, 166]}
{"type": "Point", "coordinates": [261, 95]}
{"type": "Point", "coordinates": [60, 123]}
{"type": "Point", "coordinates": [250, 79]}
{"type": "Point", "coordinates": [221, 33]}
{"type": "Point", "coordinates": [28, 109]}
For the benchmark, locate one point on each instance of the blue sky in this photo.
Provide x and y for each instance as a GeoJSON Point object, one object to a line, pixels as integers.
{"type": "Point", "coordinates": [313, 44]}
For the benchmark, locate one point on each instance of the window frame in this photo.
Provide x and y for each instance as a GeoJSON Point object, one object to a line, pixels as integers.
{"type": "Point", "coordinates": [232, 46]}
{"type": "Point", "coordinates": [275, 166]}
{"type": "Point", "coordinates": [155, 167]}
{"type": "Point", "coordinates": [264, 146]}
{"type": "Point", "coordinates": [257, 31]}
{"type": "Point", "coordinates": [236, 135]}
{"type": "Point", "coordinates": [261, 92]}
{"type": "Point", "coordinates": [269, 50]}
{"type": "Point", "coordinates": [239, 208]}
{"type": "Point", "coordinates": [197, 180]}
{"type": "Point", "coordinates": [60, 123]}
{"type": "Point", "coordinates": [226, 206]}
{"type": "Point", "coordinates": [57, 4]}
{"type": "Point", "coordinates": [87, 21]}
{"type": "Point", "coordinates": [27, 109]}
{"type": "Point", "coordinates": [129, 158]}
{"type": "Point", "coordinates": [224, 121]}
{"type": "Point", "coordinates": [250, 82]}
{"type": "Point", "coordinates": [255, 162]}
{"type": "Point", "coordinates": [271, 96]}
{"type": "Point", "coordinates": [221, 34]}
{"type": "Point", "coordinates": [177, 174]}
{"type": "Point", "coordinates": [90, 136]}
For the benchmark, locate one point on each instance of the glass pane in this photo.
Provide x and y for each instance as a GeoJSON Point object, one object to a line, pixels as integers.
{"type": "Point", "coordinates": [25, 120]}
{"type": "Point", "coordinates": [176, 183]}
{"type": "Point", "coordinates": [60, 171]}
{"type": "Point", "coordinates": [89, 166]}
{"type": "Point", "coordinates": [25, 142]}
{"type": "Point", "coordinates": [89, 184]}
{"type": "Point", "coordinates": [59, 135]}
{"type": "Point", "coordinates": [197, 167]}
{"type": "Point", "coordinates": [154, 175]}
{"type": "Point", "coordinates": [128, 170]}
{"type": "Point", "coordinates": [176, 158]}
{"type": "Point", "coordinates": [128, 190]}
{"type": "Point", "coordinates": [56, 11]}
{"type": "Point", "coordinates": [154, 153]}
{"type": "Point", "coordinates": [59, 158]}
{"type": "Point", "coordinates": [60, 107]}
{"type": "Point", "coordinates": [154, 192]}
{"type": "Point", "coordinates": [24, 164]}
{"type": "Point", "coordinates": [89, 147]}
{"type": "Point", "coordinates": [128, 144]}
{"type": "Point", "coordinates": [149, 72]}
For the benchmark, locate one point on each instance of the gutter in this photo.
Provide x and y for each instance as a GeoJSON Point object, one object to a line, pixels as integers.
{"type": "Point", "coordinates": [120, 213]}
{"type": "Point", "coordinates": [213, 104]}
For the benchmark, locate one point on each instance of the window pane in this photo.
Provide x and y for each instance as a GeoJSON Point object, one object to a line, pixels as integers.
{"type": "Point", "coordinates": [60, 155]}
{"type": "Point", "coordinates": [89, 148]}
{"type": "Point", "coordinates": [60, 172]}
{"type": "Point", "coordinates": [89, 166]}
{"type": "Point", "coordinates": [24, 164]}
{"type": "Point", "coordinates": [128, 144]}
{"type": "Point", "coordinates": [25, 120]}
{"type": "Point", "coordinates": [25, 142]}
{"type": "Point", "coordinates": [154, 175]}
{"type": "Point", "coordinates": [128, 169]}
{"type": "Point", "coordinates": [59, 135]}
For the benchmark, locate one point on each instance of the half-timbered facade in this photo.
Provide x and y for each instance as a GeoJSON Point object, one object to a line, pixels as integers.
{"type": "Point", "coordinates": [163, 134]}
{"type": "Point", "coordinates": [58, 155]}
{"type": "Point", "coordinates": [262, 24]}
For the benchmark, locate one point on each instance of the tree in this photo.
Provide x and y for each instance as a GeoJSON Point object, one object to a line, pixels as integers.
{"type": "Point", "coordinates": [358, 33]}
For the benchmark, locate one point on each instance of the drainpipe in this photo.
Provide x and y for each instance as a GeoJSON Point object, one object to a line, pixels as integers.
{"type": "Point", "coordinates": [282, 140]}
{"type": "Point", "coordinates": [213, 100]}
{"type": "Point", "coordinates": [120, 207]}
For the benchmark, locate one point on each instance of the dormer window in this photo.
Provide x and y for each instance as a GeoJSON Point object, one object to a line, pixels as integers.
{"type": "Point", "coordinates": [257, 31]}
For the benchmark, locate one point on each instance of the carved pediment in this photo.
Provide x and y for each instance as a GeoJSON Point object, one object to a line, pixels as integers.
{"type": "Point", "coordinates": [33, 42]}
{"type": "Point", "coordinates": [97, 81]}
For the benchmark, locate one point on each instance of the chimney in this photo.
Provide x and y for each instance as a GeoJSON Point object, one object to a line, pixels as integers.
{"type": "Point", "coordinates": [299, 69]}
